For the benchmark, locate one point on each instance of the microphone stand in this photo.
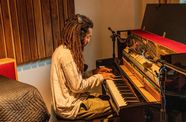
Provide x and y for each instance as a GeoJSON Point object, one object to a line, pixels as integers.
{"type": "Point", "coordinates": [162, 79]}
{"type": "Point", "coordinates": [113, 36]}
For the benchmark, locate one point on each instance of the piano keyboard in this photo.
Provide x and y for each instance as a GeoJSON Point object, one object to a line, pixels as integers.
{"type": "Point", "coordinates": [121, 93]}
{"type": "Point", "coordinates": [119, 90]}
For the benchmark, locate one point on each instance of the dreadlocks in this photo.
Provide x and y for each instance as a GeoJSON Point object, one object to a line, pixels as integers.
{"type": "Point", "coordinates": [74, 31]}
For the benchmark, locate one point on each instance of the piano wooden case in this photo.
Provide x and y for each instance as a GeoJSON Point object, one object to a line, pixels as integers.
{"type": "Point", "coordinates": [138, 88]}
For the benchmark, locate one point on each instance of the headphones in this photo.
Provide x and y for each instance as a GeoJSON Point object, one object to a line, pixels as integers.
{"type": "Point", "coordinates": [82, 35]}
{"type": "Point", "coordinates": [79, 19]}
{"type": "Point", "coordinates": [82, 32]}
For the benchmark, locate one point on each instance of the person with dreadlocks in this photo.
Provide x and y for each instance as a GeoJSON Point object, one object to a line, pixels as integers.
{"type": "Point", "coordinates": [71, 99]}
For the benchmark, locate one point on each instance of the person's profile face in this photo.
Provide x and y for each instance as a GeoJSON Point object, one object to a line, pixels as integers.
{"type": "Point", "coordinates": [87, 37]}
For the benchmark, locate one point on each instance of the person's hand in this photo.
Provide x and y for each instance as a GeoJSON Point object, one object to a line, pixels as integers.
{"type": "Point", "coordinates": [107, 76]}
{"type": "Point", "coordinates": [102, 69]}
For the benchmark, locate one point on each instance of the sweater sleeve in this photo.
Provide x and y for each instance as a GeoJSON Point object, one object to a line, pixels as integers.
{"type": "Point", "coordinates": [75, 80]}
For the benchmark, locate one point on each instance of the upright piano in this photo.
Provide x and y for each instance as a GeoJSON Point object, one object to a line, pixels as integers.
{"type": "Point", "coordinates": [150, 68]}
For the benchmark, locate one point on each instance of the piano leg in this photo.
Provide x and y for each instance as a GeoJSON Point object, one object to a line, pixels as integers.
{"type": "Point", "coordinates": [141, 113]}
{"type": "Point", "coordinates": [104, 95]}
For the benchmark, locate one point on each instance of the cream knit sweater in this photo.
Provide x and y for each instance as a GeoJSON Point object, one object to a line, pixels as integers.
{"type": "Point", "coordinates": [68, 86]}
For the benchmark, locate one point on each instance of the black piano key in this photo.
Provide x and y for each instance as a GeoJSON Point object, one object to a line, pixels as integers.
{"type": "Point", "coordinates": [132, 102]}
{"type": "Point", "coordinates": [117, 76]}
{"type": "Point", "coordinates": [124, 90]}
{"type": "Point", "coordinates": [115, 72]}
{"type": "Point", "coordinates": [122, 87]}
{"type": "Point", "coordinates": [127, 95]}
{"type": "Point", "coordinates": [120, 83]}
{"type": "Point", "coordinates": [131, 99]}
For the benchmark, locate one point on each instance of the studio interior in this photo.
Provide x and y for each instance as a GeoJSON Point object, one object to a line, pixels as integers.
{"type": "Point", "coordinates": [134, 58]}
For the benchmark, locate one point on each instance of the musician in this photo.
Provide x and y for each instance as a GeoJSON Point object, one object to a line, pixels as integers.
{"type": "Point", "coordinates": [68, 85]}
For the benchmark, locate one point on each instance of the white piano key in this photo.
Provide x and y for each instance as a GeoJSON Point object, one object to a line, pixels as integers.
{"type": "Point", "coordinates": [119, 100]}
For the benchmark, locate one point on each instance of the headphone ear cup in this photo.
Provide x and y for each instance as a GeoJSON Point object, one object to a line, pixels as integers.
{"type": "Point", "coordinates": [82, 35]}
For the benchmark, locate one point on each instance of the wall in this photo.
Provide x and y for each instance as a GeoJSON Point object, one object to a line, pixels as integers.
{"type": "Point", "coordinates": [182, 1]}
{"type": "Point", "coordinates": [92, 9]}
{"type": "Point", "coordinates": [37, 74]}
{"type": "Point", "coordinates": [122, 15]}
{"type": "Point", "coordinates": [106, 14]}
{"type": "Point", "coordinates": [31, 29]}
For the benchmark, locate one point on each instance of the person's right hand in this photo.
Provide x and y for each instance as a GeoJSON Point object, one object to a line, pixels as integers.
{"type": "Point", "coordinates": [108, 76]}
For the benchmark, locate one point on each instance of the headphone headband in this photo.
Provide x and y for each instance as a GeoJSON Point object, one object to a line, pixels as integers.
{"type": "Point", "coordinates": [79, 18]}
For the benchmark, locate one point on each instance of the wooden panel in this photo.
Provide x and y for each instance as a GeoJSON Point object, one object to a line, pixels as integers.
{"type": "Point", "coordinates": [65, 10]}
{"type": "Point", "coordinates": [47, 27]}
{"type": "Point", "coordinates": [23, 26]}
{"type": "Point", "coordinates": [71, 7]}
{"type": "Point", "coordinates": [7, 29]}
{"type": "Point", "coordinates": [31, 28]}
{"type": "Point", "coordinates": [55, 22]}
{"type": "Point", "coordinates": [15, 31]}
{"type": "Point", "coordinates": [39, 28]}
{"type": "Point", "coordinates": [61, 16]}
{"type": "Point", "coordinates": [2, 39]}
